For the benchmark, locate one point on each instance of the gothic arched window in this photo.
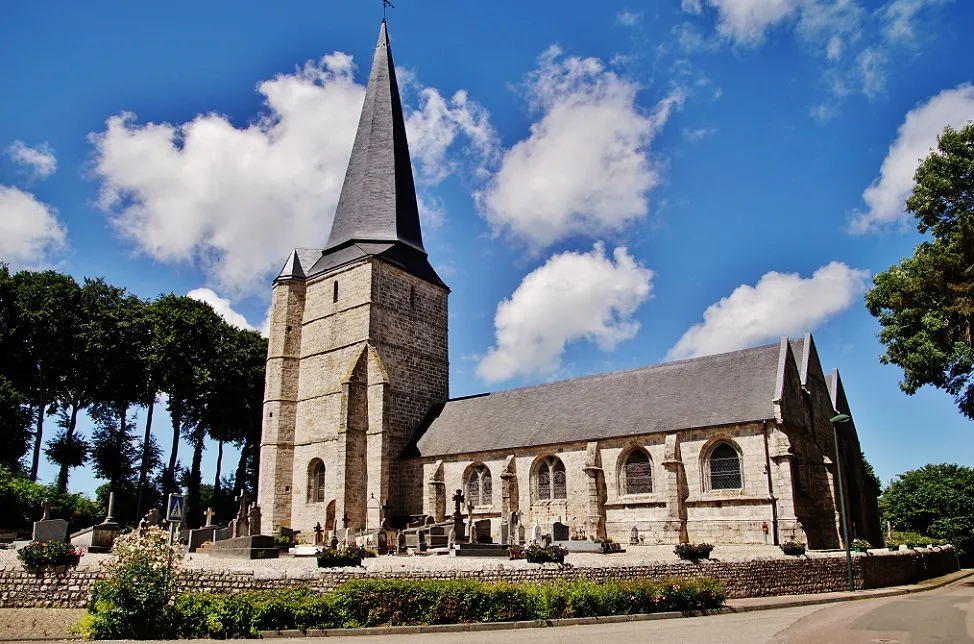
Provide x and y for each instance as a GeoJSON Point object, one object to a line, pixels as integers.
{"type": "Point", "coordinates": [479, 486]}
{"type": "Point", "coordinates": [316, 481]}
{"type": "Point", "coordinates": [724, 467]}
{"type": "Point", "coordinates": [552, 483]}
{"type": "Point", "coordinates": [637, 473]}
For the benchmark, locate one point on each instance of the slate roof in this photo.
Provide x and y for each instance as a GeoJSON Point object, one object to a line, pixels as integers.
{"type": "Point", "coordinates": [702, 392]}
{"type": "Point", "coordinates": [298, 263]}
{"type": "Point", "coordinates": [378, 199]}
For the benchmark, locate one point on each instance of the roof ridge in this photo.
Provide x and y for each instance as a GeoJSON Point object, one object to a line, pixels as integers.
{"type": "Point", "coordinates": [658, 365]}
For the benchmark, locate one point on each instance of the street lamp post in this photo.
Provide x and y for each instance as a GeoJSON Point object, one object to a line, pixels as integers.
{"type": "Point", "coordinates": [842, 418]}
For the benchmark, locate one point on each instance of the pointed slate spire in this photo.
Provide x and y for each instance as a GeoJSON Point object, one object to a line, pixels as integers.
{"type": "Point", "coordinates": [378, 199]}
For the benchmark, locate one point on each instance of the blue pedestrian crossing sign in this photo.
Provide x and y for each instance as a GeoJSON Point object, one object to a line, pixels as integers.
{"type": "Point", "coordinates": [176, 508]}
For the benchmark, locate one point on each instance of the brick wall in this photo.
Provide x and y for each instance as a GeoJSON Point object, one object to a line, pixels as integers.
{"type": "Point", "coordinates": [756, 578]}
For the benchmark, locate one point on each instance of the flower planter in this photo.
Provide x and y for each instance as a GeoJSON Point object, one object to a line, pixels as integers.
{"type": "Point", "coordinates": [691, 552]}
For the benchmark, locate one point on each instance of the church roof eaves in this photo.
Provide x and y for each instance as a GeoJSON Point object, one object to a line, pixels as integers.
{"type": "Point", "coordinates": [711, 391]}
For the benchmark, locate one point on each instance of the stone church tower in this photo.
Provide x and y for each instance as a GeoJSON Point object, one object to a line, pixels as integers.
{"type": "Point", "coordinates": [358, 338]}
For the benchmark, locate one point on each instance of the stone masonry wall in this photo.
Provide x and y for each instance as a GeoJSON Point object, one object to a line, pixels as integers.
{"type": "Point", "coordinates": [754, 578]}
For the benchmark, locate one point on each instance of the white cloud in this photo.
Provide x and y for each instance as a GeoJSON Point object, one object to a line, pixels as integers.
{"type": "Point", "coordinates": [824, 112]}
{"type": "Point", "coordinates": [40, 160]}
{"type": "Point", "coordinates": [691, 6]}
{"type": "Point", "coordinates": [221, 306]}
{"type": "Point", "coordinates": [899, 18]}
{"type": "Point", "coordinates": [628, 18]}
{"type": "Point", "coordinates": [780, 304]}
{"type": "Point", "coordinates": [434, 128]}
{"type": "Point", "coordinates": [29, 229]}
{"type": "Point", "coordinates": [886, 197]}
{"type": "Point", "coordinates": [234, 201]}
{"type": "Point", "coordinates": [585, 167]}
{"type": "Point", "coordinates": [573, 296]}
{"type": "Point", "coordinates": [872, 71]}
{"type": "Point", "coordinates": [696, 134]}
{"type": "Point", "coordinates": [826, 22]}
{"type": "Point", "coordinates": [746, 21]}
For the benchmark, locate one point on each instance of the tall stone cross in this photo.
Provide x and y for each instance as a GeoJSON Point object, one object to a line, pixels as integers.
{"type": "Point", "coordinates": [46, 510]}
{"type": "Point", "coordinates": [209, 516]}
{"type": "Point", "coordinates": [457, 503]}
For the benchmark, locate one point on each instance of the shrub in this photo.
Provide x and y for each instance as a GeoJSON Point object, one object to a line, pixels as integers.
{"type": "Point", "coordinates": [693, 552]}
{"type": "Point", "coordinates": [389, 602]}
{"type": "Point", "coordinates": [340, 557]}
{"type": "Point", "coordinates": [136, 600]}
{"type": "Point", "coordinates": [515, 551]}
{"type": "Point", "coordinates": [39, 554]}
{"type": "Point", "coordinates": [536, 553]}
{"type": "Point", "coordinates": [793, 548]}
{"type": "Point", "coordinates": [860, 545]}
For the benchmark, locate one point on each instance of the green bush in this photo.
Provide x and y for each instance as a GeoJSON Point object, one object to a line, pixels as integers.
{"type": "Point", "coordinates": [860, 545]}
{"type": "Point", "coordinates": [20, 503]}
{"type": "Point", "coordinates": [693, 552]}
{"type": "Point", "coordinates": [137, 599]}
{"type": "Point", "coordinates": [38, 554]}
{"type": "Point", "coordinates": [536, 553]}
{"type": "Point", "coordinates": [388, 602]}
{"type": "Point", "coordinates": [341, 557]}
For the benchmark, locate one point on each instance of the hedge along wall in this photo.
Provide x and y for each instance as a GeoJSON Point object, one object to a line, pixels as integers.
{"type": "Point", "coordinates": [71, 588]}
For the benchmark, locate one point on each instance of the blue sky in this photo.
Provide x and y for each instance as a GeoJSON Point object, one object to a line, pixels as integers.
{"type": "Point", "coordinates": [603, 186]}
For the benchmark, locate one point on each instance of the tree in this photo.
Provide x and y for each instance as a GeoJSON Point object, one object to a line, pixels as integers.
{"type": "Point", "coordinates": [925, 304]}
{"type": "Point", "coordinates": [44, 302]}
{"type": "Point", "coordinates": [15, 420]}
{"type": "Point", "coordinates": [935, 500]}
{"type": "Point", "coordinates": [184, 339]}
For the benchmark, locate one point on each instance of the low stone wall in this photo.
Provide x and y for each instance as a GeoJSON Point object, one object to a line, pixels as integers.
{"type": "Point", "coordinates": [754, 578]}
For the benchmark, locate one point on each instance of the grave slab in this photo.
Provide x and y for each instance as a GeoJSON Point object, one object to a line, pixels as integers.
{"type": "Point", "coordinates": [255, 546]}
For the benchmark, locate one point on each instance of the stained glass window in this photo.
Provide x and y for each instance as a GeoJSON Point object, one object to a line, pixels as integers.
{"type": "Point", "coordinates": [638, 473]}
{"type": "Point", "coordinates": [725, 468]}
{"type": "Point", "coordinates": [479, 487]}
{"type": "Point", "coordinates": [552, 483]}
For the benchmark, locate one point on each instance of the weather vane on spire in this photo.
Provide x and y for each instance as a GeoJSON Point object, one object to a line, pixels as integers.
{"type": "Point", "coordinates": [386, 3]}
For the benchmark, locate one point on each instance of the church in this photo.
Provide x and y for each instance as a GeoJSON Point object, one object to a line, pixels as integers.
{"type": "Point", "coordinates": [359, 427]}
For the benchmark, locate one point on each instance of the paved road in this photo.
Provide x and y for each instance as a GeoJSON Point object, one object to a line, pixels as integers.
{"type": "Point", "coordinates": [939, 616]}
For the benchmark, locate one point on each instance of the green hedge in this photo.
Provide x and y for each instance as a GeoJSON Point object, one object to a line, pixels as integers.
{"type": "Point", "coordinates": [405, 602]}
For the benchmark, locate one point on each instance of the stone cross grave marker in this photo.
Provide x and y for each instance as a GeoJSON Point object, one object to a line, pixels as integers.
{"type": "Point", "coordinates": [319, 534]}
{"type": "Point", "coordinates": [458, 500]}
{"type": "Point", "coordinates": [241, 525]}
{"type": "Point", "coordinates": [46, 510]}
{"type": "Point", "coordinates": [209, 517]}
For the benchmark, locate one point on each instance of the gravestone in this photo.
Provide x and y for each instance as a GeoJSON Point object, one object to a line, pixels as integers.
{"type": "Point", "coordinates": [505, 533]}
{"type": "Point", "coordinates": [451, 539]}
{"type": "Point", "coordinates": [48, 529]}
{"type": "Point", "coordinates": [253, 519]}
{"type": "Point", "coordinates": [401, 550]}
{"type": "Point", "coordinates": [209, 517]}
{"type": "Point", "coordinates": [422, 541]}
{"type": "Point", "coordinates": [520, 534]}
{"type": "Point", "coordinates": [241, 525]}
{"type": "Point", "coordinates": [319, 534]}
{"type": "Point", "coordinates": [634, 536]}
{"type": "Point", "coordinates": [535, 533]}
{"type": "Point", "coordinates": [559, 531]}
{"type": "Point", "coordinates": [481, 530]}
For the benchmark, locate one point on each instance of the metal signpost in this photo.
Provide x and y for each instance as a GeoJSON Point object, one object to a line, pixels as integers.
{"type": "Point", "coordinates": [175, 513]}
